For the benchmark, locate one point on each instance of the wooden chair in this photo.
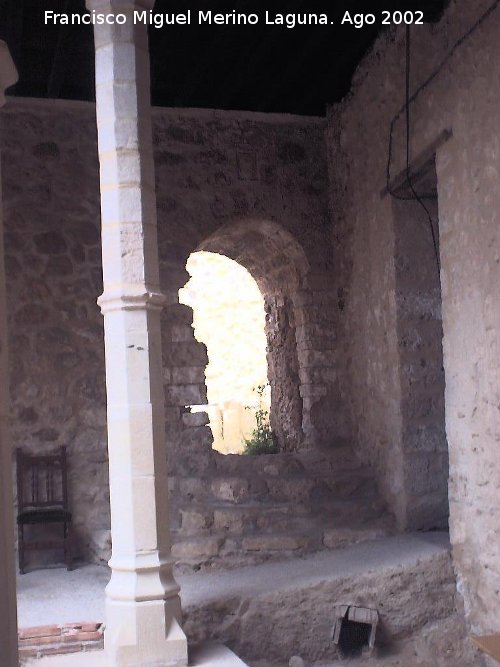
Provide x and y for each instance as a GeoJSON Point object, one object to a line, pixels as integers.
{"type": "Point", "coordinates": [42, 496]}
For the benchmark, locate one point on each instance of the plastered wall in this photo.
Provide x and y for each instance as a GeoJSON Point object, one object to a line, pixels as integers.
{"type": "Point", "coordinates": [463, 97]}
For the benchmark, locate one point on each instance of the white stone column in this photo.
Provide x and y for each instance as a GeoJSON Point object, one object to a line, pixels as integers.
{"type": "Point", "coordinates": [142, 599]}
{"type": "Point", "coordinates": [8, 612]}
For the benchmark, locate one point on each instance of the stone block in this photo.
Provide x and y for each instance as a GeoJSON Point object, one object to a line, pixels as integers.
{"type": "Point", "coordinates": [187, 375]}
{"type": "Point", "coordinates": [181, 333]}
{"type": "Point", "coordinates": [312, 390]}
{"type": "Point", "coordinates": [340, 537]}
{"type": "Point", "coordinates": [101, 544]}
{"type": "Point", "coordinates": [195, 419]}
{"type": "Point", "coordinates": [185, 394]}
{"type": "Point", "coordinates": [229, 520]}
{"type": "Point", "coordinates": [273, 543]}
{"type": "Point", "coordinates": [178, 313]}
{"type": "Point", "coordinates": [230, 489]}
{"type": "Point", "coordinates": [214, 655]}
{"type": "Point", "coordinates": [321, 358]}
{"type": "Point", "coordinates": [197, 438]}
{"type": "Point", "coordinates": [206, 547]}
{"type": "Point", "coordinates": [187, 354]}
{"type": "Point", "coordinates": [318, 375]}
{"type": "Point", "coordinates": [50, 243]}
{"type": "Point", "coordinates": [193, 520]}
{"type": "Point", "coordinates": [192, 488]}
{"type": "Point", "coordinates": [290, 489]}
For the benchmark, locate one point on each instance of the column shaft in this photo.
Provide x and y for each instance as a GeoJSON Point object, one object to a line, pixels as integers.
{"type": "Point", "coordinates": [142, 601]}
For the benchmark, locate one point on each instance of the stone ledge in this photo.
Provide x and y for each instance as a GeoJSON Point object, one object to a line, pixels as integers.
{"type": "Point", "coordinates": [215, 655]}
{"type": "Point", "coordinates": [205, 655]}
{"type": "Point", "coordinates": [249, 608]}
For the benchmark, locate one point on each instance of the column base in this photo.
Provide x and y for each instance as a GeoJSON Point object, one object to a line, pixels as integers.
{"type": "Point", "coordinates": [144, 634]}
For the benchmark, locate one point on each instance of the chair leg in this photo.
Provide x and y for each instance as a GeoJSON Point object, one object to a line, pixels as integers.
{"type": "Point", "coordinates": [68, 551]}
{"type": "Point", "coordinates": [20, 547]}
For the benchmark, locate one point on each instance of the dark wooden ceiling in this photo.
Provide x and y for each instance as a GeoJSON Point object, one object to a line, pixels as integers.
{"type": "Point", "coordinates": [258, 68]}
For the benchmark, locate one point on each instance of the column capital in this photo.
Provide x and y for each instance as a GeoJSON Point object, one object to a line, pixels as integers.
{"type": "Point", "coordinates": [103, 5]}
{"type": "Point", "coordinates": [8, 71]}
{"type": "Point", "coordinates": [130, 299]}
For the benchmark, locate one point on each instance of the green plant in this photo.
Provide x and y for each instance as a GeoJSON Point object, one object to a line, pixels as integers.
{"type": "Point", "coordinates": [262, 440]}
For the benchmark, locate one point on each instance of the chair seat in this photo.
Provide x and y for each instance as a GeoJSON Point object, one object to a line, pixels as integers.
{"type": "Point", "coordinates": [45, 515]}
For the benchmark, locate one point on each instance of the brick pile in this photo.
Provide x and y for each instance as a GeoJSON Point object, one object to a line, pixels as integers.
{"type": "Point", "coordinates": [44, 640]}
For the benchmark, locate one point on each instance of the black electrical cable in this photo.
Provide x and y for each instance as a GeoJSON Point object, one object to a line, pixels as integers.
{"type": "Point", "coordinates": [416, 196]}
{"type": "Point", "coordinates": [429, 80]}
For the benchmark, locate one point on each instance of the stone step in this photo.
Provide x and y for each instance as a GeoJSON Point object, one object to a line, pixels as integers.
{"type": "Point", "coordinates": [274, 481]}
{"type": "Point", "coordinates": [340, 459]}
{"type": "Point", "coordinates": [408, 578]}
{"type": "Point", "coordinates": [228, 552]}
{"type": "Point", "coordinates": [194, 518]}
{"type": "Point", "coordinates": [232, 518]}
{"type": "Point", "coordinates": [291, 536]}
{"type": "Point", "coordinates": [256, 508]}
{"type": "Point", "coordinates": [196, 549]}
{"type": "Point", "coordinates": [298, 488]}
{"type": "Point", "coordinates": [214, 655]}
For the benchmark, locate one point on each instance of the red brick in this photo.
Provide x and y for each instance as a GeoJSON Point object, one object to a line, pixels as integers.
{"type": "Point", "coordinates": [85, 626]}
{"type": "Point", "coordinates": [39, 631]}
{"type": "Point", "coordinates": [40, 641]}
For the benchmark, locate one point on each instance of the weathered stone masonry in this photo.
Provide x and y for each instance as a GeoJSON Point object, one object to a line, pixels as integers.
{"type": "Point", "coordinates": [246, 185]}
{"type": "Point", "coordinates": [464, 98]}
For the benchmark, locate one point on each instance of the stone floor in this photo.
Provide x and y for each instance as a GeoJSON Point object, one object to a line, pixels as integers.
{"type": "Point", "coordinates": [55, 596]}
{"type": "Point", "coordinates": [285, 608]}
{"type": "Point", "coordinates": [209, 655]}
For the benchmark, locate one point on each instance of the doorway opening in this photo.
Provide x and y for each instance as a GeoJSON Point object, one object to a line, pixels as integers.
{"type": "Point", "coordinates": [420, 334]}
{"type": "Point", "coordinates": [229, 318]}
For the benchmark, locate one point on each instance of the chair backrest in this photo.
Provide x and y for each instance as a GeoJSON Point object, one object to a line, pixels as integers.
{"type": "Point", "coordinates": [41, 480]}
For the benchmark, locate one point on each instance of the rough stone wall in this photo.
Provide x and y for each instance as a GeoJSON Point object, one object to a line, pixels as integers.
{"type": "Point", "coordinates": [283, 369]}
{"type": "Point", "coordinates": [246, 185]}
{"type": "Point", "coordinates": [462, 97]}
{"type": "Point", "coordinates": [53, 265]}
{"type": "Point", "coordinates": [252, 187]}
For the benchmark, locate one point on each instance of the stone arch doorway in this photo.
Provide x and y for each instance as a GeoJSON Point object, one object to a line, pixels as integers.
{"type": "Point", "coordinates": [301, 320]}
{"type": "Point", "coordinates": [277, 263]}
{"type": "Point", "coordinates": [280, 267]}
